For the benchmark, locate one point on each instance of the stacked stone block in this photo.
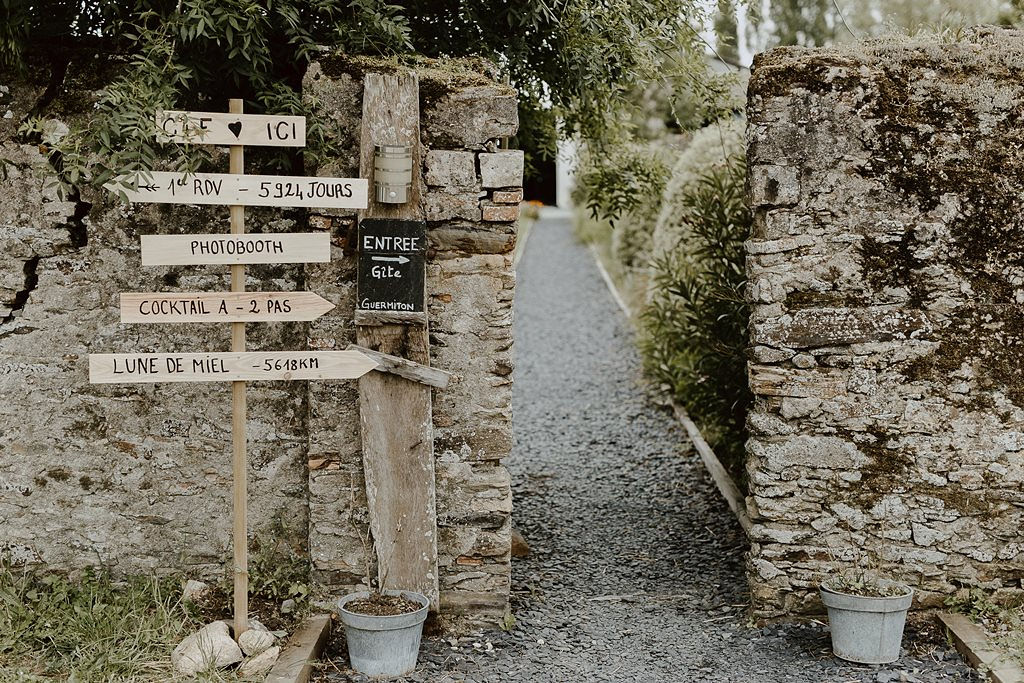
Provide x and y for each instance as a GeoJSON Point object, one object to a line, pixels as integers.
{"type": "Point", "coordinates": [886, 280]}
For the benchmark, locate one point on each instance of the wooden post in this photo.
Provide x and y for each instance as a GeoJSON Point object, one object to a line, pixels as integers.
{"type": "Point", "coordinates": [395, 413]}
{"type": "Point", "coordinates": [239, 466]}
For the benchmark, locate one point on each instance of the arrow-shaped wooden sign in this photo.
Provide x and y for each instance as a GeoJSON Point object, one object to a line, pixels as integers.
{"type": "Point", "coordinates": [134, 368]}
{"type": "Point", "coordinates": [167, 187]}
{"type": "Point", "coordinates": [183, 250]}
{"type": "Point", "coordinates": [221, 307]}
{"type": "Point", "coordinates": [220, 128]}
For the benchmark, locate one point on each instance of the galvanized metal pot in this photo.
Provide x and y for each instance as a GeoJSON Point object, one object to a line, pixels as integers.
{"type": "Point", "coordinates": [867, 630]}
{"type": "Point", "coordinates": [383, 646]}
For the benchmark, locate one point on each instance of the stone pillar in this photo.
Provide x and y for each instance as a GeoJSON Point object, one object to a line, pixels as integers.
{"type": "Point", "coordinates": [472, 193]}
{"type": "Point", "coordinates": [886, 278]}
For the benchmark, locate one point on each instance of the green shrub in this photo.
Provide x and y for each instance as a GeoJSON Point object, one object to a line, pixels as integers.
{"type": "Point", "coordinates": [694, 328]}
{"type": "Point", "coordinates": [615, 180]}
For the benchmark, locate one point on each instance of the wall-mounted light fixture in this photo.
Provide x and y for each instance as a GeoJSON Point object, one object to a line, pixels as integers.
{"type": "Point", "coordinates": [392, 173]}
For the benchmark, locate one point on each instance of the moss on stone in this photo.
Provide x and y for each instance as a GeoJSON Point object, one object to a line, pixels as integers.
{"type": "Point", "coordinates": [893, 265]}
{"type": "Point", "coordinates": [438, 77]}
{"type": "Point", "coordinates": [989, 339]}
{"type": "Point", "coordinates": [889, 471]}
{"type": "Point", "coordinates": [58, 474]}
{"type": "Point", "coordinates": [830, 299]}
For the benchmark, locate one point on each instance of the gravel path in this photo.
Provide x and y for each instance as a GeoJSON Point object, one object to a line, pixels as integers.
{"type": "Point", "coordinates": [636, 570]}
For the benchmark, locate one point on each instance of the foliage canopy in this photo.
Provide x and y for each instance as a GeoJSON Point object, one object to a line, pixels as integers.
{"type": "Point", "coordinates": [578, 61]}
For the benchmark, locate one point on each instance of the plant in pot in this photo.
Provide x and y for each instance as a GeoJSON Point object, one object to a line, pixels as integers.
{"type": "Point", "coordinates": [382, 627]}
{"type": "Point", "coordinates": [866, 611]}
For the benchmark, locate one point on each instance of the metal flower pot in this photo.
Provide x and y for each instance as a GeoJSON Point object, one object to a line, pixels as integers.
{"type": "Point", "coordinates": [383, 646]}
{"type": "Point", "coordinates": [864, 629]}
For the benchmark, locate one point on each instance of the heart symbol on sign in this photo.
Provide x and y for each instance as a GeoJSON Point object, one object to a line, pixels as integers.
{"type": "Point", "coordinates": [235, 127]}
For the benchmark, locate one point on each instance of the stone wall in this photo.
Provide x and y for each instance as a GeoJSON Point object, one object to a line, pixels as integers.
{"type": "Point", "coordinates": [137, 477]}
{"type": "Point", "coordinates": [886, 277]}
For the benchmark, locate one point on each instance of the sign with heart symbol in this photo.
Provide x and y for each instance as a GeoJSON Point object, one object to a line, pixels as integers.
{"type": "Point", "coordinates": [219, 128]}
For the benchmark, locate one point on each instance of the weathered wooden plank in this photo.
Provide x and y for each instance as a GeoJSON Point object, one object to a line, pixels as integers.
{"type": "Point", "coordinates": [370, 318]}
{"type": "Point", "coordinates": [133, 368]}
{"type": "Point", "coordinates": [221, 128]}
{"type": "Point", "coordinates": [424, 374]}
{"type": "Point", "coordinates": [395, 414]}
{"type": "Point", "coordinates": [815, 327]}
{"type": "Point", "coordinates": [168, 187]}
{"type": "Point", "coordinates": [185, 250]}
{"type": "Point", "coordinates": [222, 307]}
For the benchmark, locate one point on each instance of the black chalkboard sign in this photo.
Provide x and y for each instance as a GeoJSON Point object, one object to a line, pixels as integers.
{"type": "Point", "coordinates": [392, 258]}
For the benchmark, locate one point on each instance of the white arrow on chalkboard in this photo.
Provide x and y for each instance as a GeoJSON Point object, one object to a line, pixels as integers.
{"type": "Point", "coordinates": [167, 187]}
{"type": "Point", "coordinates": [220, 128]}
{"type": "Point", "coordinates": [136, 368]}
{"type": "Point", "coordinates": [393, 259]}
{"type": "Point", "coordinates": [183, 250]}
{"type": "Point", "coordinates": [224, 307]}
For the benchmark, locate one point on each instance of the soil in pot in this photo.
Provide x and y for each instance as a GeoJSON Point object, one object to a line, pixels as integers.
{"type": "Point", "coordinates": [865, 587]}
{"type": "Point", "coordinates": [380, 605]}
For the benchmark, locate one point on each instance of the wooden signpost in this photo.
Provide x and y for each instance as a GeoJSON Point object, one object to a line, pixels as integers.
{"type": "Point", "coordinates": [133, 368]}
{"type": "Point", "coordinates": [234, 307]}
{"type": "Point", "coordinates": [237, 307]}
{"type": "Point", "coordinates": [167, 187]}
{"type": "Point", "coordinates": [219, 128]}
{"type": "Point", "coordinates": [188, 250]}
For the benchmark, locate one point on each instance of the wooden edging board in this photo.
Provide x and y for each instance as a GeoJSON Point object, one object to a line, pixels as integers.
{"type": "Point", "coordinates": [979, 650]}
{"type": "Point", "coordinates": [295, 665]}
{"type": "Point", "coordinates": [723, 482]}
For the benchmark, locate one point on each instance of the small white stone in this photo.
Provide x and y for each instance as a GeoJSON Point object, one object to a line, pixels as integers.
{"type": "Point", "coordinates": [193, 589]}
{"type": "Point", "coordinates": [211, 647]}
{"type": "Point", "coordinates": [254, 642]}
{"type": "Point", "coordinates": [260, 665]}
{"type": "Point", "coordinates": [804, 361]}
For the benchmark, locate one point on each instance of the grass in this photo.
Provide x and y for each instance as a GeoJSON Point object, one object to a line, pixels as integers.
{"type": "Point", "coordinates": [90, 629]}
{"type": "Point", "coordinates": [94, 627]}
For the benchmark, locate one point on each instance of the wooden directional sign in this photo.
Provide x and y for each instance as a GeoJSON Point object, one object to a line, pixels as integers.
{"type": "Point", "coordinates": [183, 250]}
{"type": "Point", "coordinates": [392, 257]}
{"type": "Point", "coordinates": [218, 128]}
{"type": "Point", "coordinates": [168, 187]}
{"type": "Point", "coordinates": [133, 368]}
{"type": "Point", "coordinates": [223, 307]}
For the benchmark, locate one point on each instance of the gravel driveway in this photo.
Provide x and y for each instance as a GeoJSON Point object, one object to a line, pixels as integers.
{"type": "Point", "coordinates": [636, 570]}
